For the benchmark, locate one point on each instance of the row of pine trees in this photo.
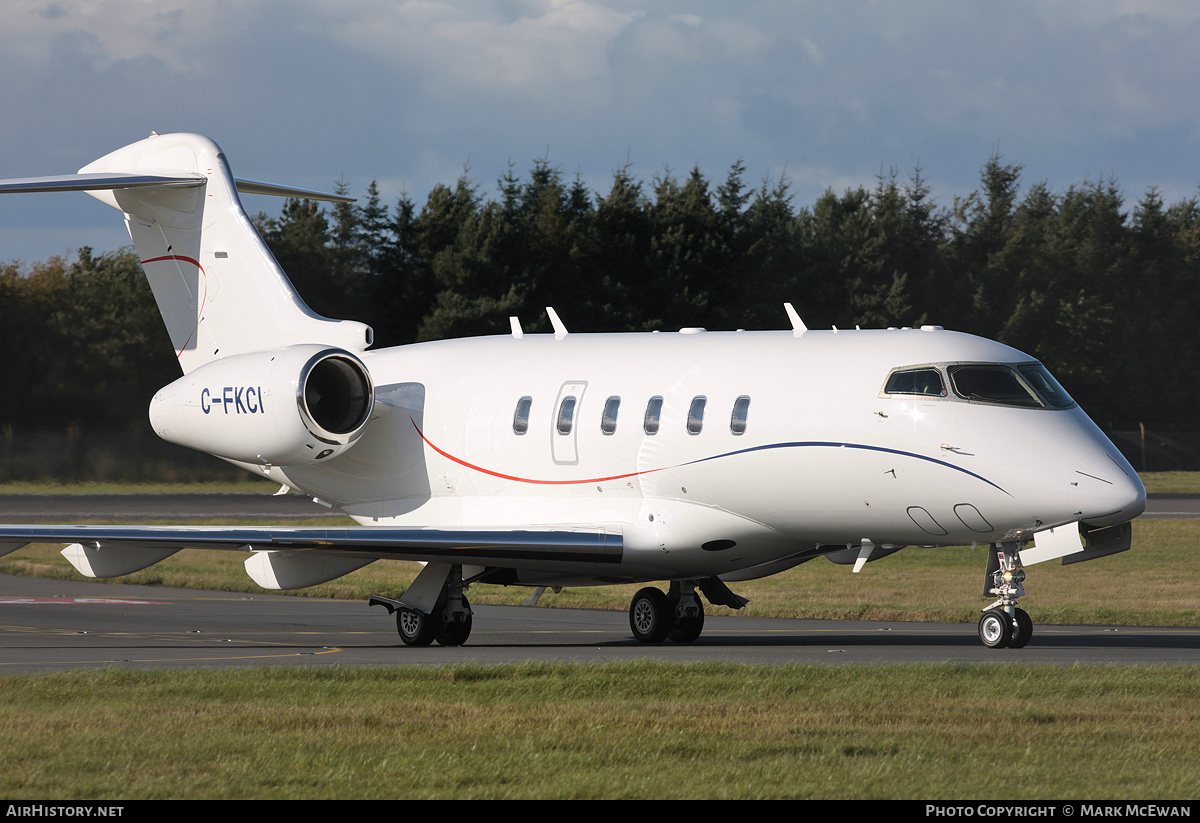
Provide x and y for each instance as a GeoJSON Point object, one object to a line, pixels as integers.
{"type": "Point", "coordinates": [1104, 292]}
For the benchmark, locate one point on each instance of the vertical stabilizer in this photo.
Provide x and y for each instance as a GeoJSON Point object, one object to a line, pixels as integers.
{"type": "Point", "coordinates": [217, 285]}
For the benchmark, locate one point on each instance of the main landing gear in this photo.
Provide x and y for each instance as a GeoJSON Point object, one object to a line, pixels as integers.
{"type": "Point", "coordinates": [1004, 624]}
{"type": "Point", "coordinates": [449, 627]}
{"type": "Point", "coordinates": [433, 608]}
{"type": "Point", "coordinates": [677, 615]}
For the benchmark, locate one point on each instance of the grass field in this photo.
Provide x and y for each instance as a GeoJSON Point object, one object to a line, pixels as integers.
{"type": "Point", "coordinates": [644, 730]}
{"type": "Point", "coordinates": [649, 730]}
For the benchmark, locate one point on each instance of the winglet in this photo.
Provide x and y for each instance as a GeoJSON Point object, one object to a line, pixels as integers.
{"type": "Point", "coordinates": [798, 327]}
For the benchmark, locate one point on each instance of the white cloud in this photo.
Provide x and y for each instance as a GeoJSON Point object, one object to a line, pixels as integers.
{"type": "Point", "coordinates": [484, 49]}
{"type": "Point", "coordinates": [104, 32]}
{"type": "Point", "coordinates": [301, 91]}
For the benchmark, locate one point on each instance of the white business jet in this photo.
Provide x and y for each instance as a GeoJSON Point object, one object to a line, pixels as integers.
{"type": "Point", "coordinates": [553, 460]}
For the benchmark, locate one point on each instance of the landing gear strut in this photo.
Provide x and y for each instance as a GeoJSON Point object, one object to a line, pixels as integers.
{"type": "Point", "coordinates": [1004, 624]}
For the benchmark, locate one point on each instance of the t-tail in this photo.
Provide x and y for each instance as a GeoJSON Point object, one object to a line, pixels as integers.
{"type": "Point", "coordinates": [218, 287]}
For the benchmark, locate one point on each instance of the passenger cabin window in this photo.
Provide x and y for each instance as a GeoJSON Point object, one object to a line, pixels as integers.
{"type": "Point", "coordinates": [653, 411]}
{"type": "Point", "coordinates": [566, 415]}
{"type": "Point", "coordinates": [608, 420]}
{"type": "Point", "coordinates": [695, 419]}
{"type": "Point", "coordinates": [521, 415]}
{"type": "Point", "coordinates": [916, 381]}
{"type": "Point", "coordinates": [737, 421]}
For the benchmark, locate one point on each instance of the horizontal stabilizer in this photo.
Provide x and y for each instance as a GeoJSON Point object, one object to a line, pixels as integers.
{"type": "Point", "coordinates": [255, 187]}
{"type": "Point", "coordinates": [100, 181]}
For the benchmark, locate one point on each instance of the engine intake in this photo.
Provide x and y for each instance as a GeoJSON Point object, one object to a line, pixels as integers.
{"type": "Point", "coordinates": [336, 397]}
{"type": "Point", "coordinates": [290, 406]}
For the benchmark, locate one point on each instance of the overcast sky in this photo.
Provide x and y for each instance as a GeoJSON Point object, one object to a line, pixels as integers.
{"type": "Point", "coordinates": [830, 94]}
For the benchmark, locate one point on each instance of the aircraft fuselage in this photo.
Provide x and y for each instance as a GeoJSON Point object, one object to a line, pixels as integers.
{"type": "Point", "coordinates": [822, 455]}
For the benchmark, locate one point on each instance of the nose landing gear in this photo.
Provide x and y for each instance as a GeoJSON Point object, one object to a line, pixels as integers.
{"type": "Point", "coordinates": [1004, 624]}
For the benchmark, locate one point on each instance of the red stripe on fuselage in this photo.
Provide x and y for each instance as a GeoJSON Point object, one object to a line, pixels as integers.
{"type": "Point", "coordinates": [473, 467]}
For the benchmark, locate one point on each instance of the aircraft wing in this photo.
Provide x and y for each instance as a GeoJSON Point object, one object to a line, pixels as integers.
{"type": "Point", "coordinates": [285, 557]}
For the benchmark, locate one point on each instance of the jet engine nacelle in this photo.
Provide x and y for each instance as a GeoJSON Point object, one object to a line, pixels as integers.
{"type": "Point", "coordinates": [291, 406]}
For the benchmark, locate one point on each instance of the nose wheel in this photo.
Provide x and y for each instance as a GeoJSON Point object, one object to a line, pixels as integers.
{"type": "Point", "coordinates": [998, 629]}
{"type": "Point", "coordinates": [1004, 624]}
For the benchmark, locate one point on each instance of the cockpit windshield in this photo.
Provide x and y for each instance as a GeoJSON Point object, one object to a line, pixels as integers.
{"type": "Point", "coordinates": [992, 384]}
{"type": "Point", "coordinates": [1025, 386]}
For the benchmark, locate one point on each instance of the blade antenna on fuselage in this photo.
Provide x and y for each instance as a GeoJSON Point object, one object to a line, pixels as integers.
{"type": "Point", "coordinates": [798, 327]}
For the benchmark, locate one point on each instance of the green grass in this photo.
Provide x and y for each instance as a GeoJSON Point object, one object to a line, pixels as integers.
{"type": "Point", "coordinates": [1171, 482]}
{"type": "Point", "coordinates": [644, 730]}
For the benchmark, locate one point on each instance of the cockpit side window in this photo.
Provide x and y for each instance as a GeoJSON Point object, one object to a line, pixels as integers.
{"type": "Point", "coordinates": [923, 381]}
{"type": "Point", "coordinates": [1044, 384]}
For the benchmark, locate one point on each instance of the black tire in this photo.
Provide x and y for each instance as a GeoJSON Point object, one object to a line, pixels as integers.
{"type": "Point", "coordinates": [454, 634]}
{"type": "Point", "coordinates": [1022, 630]}
{"type": "Point", "coordinates": [687, 629]}
{"type": "Point", "coordinates": [415, 628]}
{"type": "Point", "coordinates": [995, 629]}
{"type": "Point", "coordinates": [650, 616]}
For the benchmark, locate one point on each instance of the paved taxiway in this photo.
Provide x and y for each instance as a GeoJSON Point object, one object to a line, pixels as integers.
{"type": "Point", "coordinates": [48, 625]}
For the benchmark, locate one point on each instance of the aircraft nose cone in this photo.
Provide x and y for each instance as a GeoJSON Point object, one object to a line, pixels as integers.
{"type": "Point", "coordinates": [1105, 492]}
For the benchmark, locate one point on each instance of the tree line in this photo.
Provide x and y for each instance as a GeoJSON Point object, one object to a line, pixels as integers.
{"type": "Point", "coordinates": [1101, 291]}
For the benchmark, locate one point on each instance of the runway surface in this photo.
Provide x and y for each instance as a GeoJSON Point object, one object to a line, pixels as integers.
{"type": "Point", "coordinates": [50, 625]}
